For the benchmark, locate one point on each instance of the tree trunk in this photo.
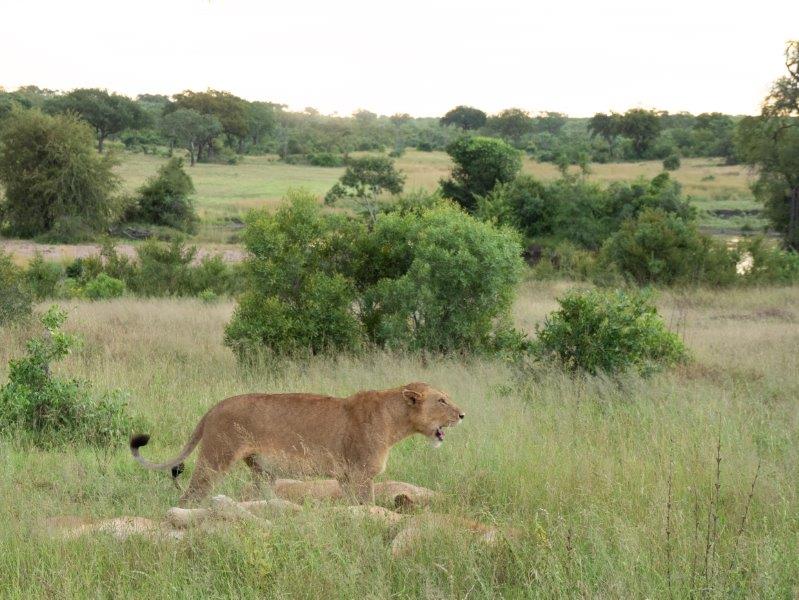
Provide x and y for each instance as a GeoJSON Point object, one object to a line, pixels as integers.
{"type": "Point", "coordinates": [100, 141]}
{"type": "Point", "coordinates": [793, 221]}
{"type": "Point", "coordinates": [191, 153]}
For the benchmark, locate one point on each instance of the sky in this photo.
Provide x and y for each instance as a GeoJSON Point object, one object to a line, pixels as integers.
{"type": "Point", "coordinates": [417, 56]}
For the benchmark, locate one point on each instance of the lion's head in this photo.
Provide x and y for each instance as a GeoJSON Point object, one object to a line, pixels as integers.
{"type": "Point", "coordinates": [431, 411]}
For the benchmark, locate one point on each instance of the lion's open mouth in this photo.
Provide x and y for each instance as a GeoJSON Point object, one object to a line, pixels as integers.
{"type": "Point", "coordinates": [439, 434]}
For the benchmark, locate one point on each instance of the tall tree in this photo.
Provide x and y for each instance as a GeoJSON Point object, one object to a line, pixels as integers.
{"type": "Point", "coordinates": [107, 113]}
{"type": "Point", "coordinates": [229, 109]}
{"type": "Point", "coordinates": [642, 127]}
{"type": "Point", "coordinates": [606, 126]}
{"type": "Point", "coordinates": [771, 143]}
{"type": "Point", "coordinates": [364, 180]}
{"type": "Point", "coordinates": [466, 117]}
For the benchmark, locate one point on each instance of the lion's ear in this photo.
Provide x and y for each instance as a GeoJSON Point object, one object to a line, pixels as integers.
{"type": "Point", "coordinates": [411, 396]}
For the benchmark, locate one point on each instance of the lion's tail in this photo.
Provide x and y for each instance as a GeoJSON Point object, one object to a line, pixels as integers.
{"type": "Point", "coordinates": [175, 464]}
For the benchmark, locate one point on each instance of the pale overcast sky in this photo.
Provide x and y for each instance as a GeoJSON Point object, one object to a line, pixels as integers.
{"type": "Point", "coordinates": [415, 56]}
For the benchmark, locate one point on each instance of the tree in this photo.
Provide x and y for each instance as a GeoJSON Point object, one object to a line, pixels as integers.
{"type": "Point", "coordinates": [606, 126]}
{"type": "Point", "coordinates": [230, 110]}
{"type": "Point", "coordinates": [549, 122]}
{"type": "Point", "coordinates": [512, 124]}
{"type": "Point", "coordinates": [262, 120]}
{"type": "Point", "coordinates": [107, 113]}
{"type": "Point", "coordinates": [365, 179]}
{"type": "Point", "coordinates": [771, 143]}
{"type": "Point", "coordinates": [191, 130]}
{"type": "Point", "coordinates": [51, 173]}
{"type": "Point", "coordinates": [642, 127]}
{"type": "Point", "coordinates": [480, 164]}
{"type": "Point", "coordinates": [465, 117]}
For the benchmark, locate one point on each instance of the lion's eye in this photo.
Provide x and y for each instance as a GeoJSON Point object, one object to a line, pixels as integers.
{"type": "Point", "coordinates": [442, 401]}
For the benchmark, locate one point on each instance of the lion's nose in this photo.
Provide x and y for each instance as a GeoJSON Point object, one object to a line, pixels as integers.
{"type": "Point", "coordinates": [461, 415]}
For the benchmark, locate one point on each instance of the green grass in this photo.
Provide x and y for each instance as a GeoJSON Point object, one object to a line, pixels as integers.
{"type": "Point", "coordinates": [229, 190]}
{"type": "Point", "coordinates": [580, 465]}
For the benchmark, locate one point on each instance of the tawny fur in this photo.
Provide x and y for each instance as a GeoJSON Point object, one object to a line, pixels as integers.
{"type": "Point", "coordinates": [309, 435]}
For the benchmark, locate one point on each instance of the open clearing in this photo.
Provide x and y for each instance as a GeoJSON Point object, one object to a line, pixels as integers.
{"type": "Point", "coordinates": [581, 465]}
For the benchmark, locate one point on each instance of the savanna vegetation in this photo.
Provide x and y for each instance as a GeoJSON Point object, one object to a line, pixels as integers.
{"type": "Point", "coordinates": [629, 374]}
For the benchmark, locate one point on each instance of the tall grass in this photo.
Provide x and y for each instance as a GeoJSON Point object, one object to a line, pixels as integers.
{"type": "Point", "coordinates": [622, 488]}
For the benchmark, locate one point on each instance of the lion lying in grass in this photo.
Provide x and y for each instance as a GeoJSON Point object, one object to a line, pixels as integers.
{"type": "Point", "coordinates": [308, 434]}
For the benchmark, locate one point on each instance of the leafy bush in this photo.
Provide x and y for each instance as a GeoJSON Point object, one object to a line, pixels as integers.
{"type": "Point", "coordinates": [163, 269]}
{"type": "Point", "coordinates": [42, 277]}
{"type": "Point", "coordinates": [293, 302]}
{"type": "Point", "coordinates": [429, 278]}
{"type": "Point", "coordinates": [165, 199]}
{"type": "Point", "coordinates": [326, 159]}
{"type": "Point", "coordinates": [53, 175]}
{"type": "Point", "coordinates": [659, 247]}
{"type": "Point", "coordinates": [608, 332]}
{"type": "Point", "coordinates": [480, 164]}
{"type": "Point", "coordinates": [671, 162]}
{"type": "Point", "coordinates": [769, 264]}
{"type": "Point", "coordinates": [104, 287]}
{"type": "Point", "coordinates": [47, 410]}
{"type": "Point", "coordinates": [15, 296]}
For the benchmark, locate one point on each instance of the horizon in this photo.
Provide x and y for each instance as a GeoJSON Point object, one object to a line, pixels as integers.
{"type": "Point", "coordinates": [357, 56]}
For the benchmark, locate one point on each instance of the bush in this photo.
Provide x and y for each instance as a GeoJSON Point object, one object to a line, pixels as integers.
{"type": "Point", "coordinates": [429, 278]}
{"type": "Point", "coordinates": [768, 264]}
{"type": "Point", "coordinates": [52, 174]}
{"type": "Point", "coordinates": [659, 247]}
{"type": "Point", "coordinates": [326, 159]}
{"type": "Point", "coordinates": [104, 287]}
{"type": "Point", "coordinates": [47, 410]}
{"type": "Point", "coordinates": [608, 332]}
{"type": "Point", "coordinates": [15, 296]}
{"type": "Point", "coordinates": [163, 269]}
{"type": "Point", "coordinates": [671, 162]}
{"type": "Point", "coordinates": [293, 302]}
{"type": "Point", "coordinates": [43, 276]}
{"type": "Point", "coordinates": [165, 199]}
{"type": "Point", "coordinates": [480, 164]}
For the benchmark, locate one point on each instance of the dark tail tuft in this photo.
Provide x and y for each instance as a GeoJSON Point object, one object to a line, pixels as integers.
{"type": "Point", "coordinates": [177, 470]}
{"type": "Point", "coordinates": [139, 440]}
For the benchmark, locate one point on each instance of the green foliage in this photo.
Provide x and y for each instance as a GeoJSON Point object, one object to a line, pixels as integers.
{"type": "Point", "coordinates": [419, 278]}
{"type": "Point", "coordinates": [464, 117]}
{"type": "Point", "coordinates": [294, 301]}
{"type": "Point", "coordinates": [480, 164]}
{"type": "Point", "coordinates": [660, 247]}
{"type": "Point", "coordinates": [165, 199]}
{"type": "Point", "coordinates": [671, 162]}
{"type": "Point", "coordinates": [512, 124]}
{"type": "Point", "coordinates": [15, 296]}
{"type": "Point", "coordinates": [191, 130]}
{"type": "Point", "coordinates": [163, 269]}
{"type": "Point", "coordinates": [104, 287]}
{"type": "Point", "coordinates": [366, 178]}
{"type": "Point", "coordinates": [609, 332]}
{"type": "Point", "coordinates": [47, 410]}
{"type": "Point", "coordinates": [50, 173]}
{"type": "Point", "coordinates": [107, 113]}
{"type": "Point", "coordinates": [42, 277]}
{"type": "Point", "coordinates": [769, 264]}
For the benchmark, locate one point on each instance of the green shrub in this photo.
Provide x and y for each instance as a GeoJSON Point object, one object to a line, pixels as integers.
{"type": "Point", "coordinates": [215, 275]}
{"type": "Point", "coordinates": [659, 247]}
{"type": "Point", "coordinates": [208, 296]}
{"type": "Point", "coordinates": [68, 230]}
{"type": "Point", "coordinates": [15, 296]}
{"type": "Point", "coordinates": [434, 279]}
{"type": "Point", "coordinates": [163, 269]}
{"type": "Point", "coordinates": [165, 199]}
{"type": "Point", "coordinates": [326, 159]}
{"type": "Point", "coordinates": [53, 176]}
{"type": "Point", "coordinates": [456, 291]}
{"type": "Point", "coordinates": [46, 410]}
{"type": "Point", "coordinates": [608, 332]}
{"type": "Point", "coordinates": [671, 162]}
{"type": "Point", "coordinates": [104, 287]}
{"type": "Point", "coordinates": [293, 302]}
{"type": "Point", "coordinates": [769, 263]}
{"type": "Point", "coordinates": [43, 276]}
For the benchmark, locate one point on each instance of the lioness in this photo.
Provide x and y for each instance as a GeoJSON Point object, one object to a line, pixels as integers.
{"type": "Point", "coordinates": [345, 438]}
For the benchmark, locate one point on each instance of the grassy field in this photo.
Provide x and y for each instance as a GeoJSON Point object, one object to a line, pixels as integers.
{"type": "Point", "coordinates": [612, 482]}
{"type": "Point", "coordinates": [228, 190]}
